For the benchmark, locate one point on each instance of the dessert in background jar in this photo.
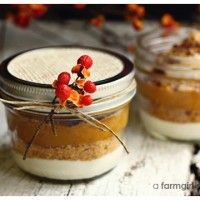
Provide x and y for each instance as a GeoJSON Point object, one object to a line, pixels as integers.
{"type": "Point", "coordinates": [78, 150]}
{"type": "Point", "coordinates": [168, 77]}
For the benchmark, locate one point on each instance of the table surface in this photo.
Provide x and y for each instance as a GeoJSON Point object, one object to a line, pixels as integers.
{"type": "Point", "coordinates": [149, 169]}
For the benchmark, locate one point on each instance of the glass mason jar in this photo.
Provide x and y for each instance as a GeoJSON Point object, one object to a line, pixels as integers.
{"type": "Point", "coordinates": [169, 89]}
{"type": "Point", "coordinates": [78, 150]}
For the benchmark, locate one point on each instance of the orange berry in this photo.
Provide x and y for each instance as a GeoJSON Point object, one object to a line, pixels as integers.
{"type": "Point", "coordinates": [80, 6]}
{"type": "Point", "coordinates": [38, 10]}
{"type": "Point", "coordinates": [168, 21]}
{"type": "Point", "coordinates": [132, 7]}
{"type": "Point", "coordinates": [22, 19]}
{"type": "Point", "coordinates": [137, 24]}
{"type": "Point", "coordinates": [97, 21]}
{"type": "Point", "coordinates": [85, 73]}
{"type": "Point", "coordinates": [76, 69]}
{"type": "Point", "coordinates": [141, 11]}
{"type": "Point", "coordinates": [80, 83]}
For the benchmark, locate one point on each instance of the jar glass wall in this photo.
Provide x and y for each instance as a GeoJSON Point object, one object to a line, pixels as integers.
{"type": "Point", "coordinates": [169, 89]}
{"type": "Point", "coordinates": [76, 147]}
{"type": "Point", "coordinates": [88, 140]}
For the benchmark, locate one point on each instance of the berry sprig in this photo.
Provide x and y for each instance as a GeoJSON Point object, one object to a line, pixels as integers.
{"type": "Point", "coordinates": [168, 21]}
{"type": "Point", "coordinates": [97, 21]}
{"type": "Point", "coordinates": [75, 94]}
{"type": "Point", "coordinates": [135, 14]}
{"type": "Point", "coordinates": [22, 14]}
{"type": "Point", "coordinates": [70, 96]}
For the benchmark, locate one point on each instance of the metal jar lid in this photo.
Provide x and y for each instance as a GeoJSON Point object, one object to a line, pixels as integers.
{"type": "Point", "coordinates": [29, 74]}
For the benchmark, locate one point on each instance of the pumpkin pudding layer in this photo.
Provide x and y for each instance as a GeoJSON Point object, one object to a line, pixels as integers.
{"type": "Point", "coordinates": [75, 139]}
{"type": "Point", "coordinates": [76, 144]}
{"type": "Point", "coordinates": [171, 95]}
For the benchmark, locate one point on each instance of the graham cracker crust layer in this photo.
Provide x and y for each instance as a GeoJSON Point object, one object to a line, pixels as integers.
{"type": "Point", "coordinates": [70, 152]}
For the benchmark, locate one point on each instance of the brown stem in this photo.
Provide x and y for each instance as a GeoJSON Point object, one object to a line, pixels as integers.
{"type": "Point", "coordinates": [38, 131]}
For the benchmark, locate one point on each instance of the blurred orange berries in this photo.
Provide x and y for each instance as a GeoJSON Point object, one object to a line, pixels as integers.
{"type": "Point", "coordinates": [38, 10]}
{"type": "Point", "coordinates": [97, 21]}
{"type": "Point", "coordinates": [80, 6]}
{"type": "Point", "coordinates": [22, 14]}
{"type": "Point", "coordinates": [167, 21]}
{"type": "Point", "coordinates": [131, 48]}
{"type": "Point", "coordinates": [137, 24]}
{"type": "Point", "coordinates": [22, 19]}
{"type": "Point", "coordinates": [136, 14]}
{"type": "Point", "coordinates": [136, 10]}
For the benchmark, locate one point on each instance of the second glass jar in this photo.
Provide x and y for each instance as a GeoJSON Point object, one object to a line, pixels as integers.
{"type": "Point", "coordinates": [169, 92]}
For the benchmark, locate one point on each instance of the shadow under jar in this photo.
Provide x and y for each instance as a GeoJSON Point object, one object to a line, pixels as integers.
{"type": "Point", "coordinates": [168, 87]}
{"type": "Point", "coordinates": [78, 150]}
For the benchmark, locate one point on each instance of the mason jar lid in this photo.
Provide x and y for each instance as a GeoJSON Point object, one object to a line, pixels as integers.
{"type": "Point", "coordinates": [29, 75]}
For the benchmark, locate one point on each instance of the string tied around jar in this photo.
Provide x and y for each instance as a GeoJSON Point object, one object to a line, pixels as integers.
{"type": "Point", "coordinates": [71, 98]}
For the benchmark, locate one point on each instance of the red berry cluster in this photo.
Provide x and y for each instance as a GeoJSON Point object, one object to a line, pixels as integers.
{"type": "Point", "coordinates": [74, 94]}
{"type": "Point", "coordinates": [63, 91]}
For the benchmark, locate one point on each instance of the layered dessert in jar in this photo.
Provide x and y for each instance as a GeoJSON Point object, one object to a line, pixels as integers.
{"type": "Point", "coordinates": [168, 77]}
{"type": "Point", "coordinates": [78, 150]}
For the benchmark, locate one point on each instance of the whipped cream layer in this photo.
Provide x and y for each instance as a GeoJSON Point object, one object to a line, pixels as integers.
{"type": "Point", "coordinates": [69, 169]}
{"type": "Point", "coordinates": [165, 129]}
{"type": "Point", "coordinates": [184, 67]}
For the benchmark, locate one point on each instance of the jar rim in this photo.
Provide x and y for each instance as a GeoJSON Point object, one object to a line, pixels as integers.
{"type": "Point", "coordinates": [129, 66]}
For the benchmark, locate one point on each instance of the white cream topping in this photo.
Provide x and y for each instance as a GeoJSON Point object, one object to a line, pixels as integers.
{"type": "Point", "coordinates": [68, 169]}
{"type": "Point", "coordinates": [166, 129]}
{"type": "Point", "coordinates": [188, 68]}
{"type": "Point", "coordinates": [188, 65]}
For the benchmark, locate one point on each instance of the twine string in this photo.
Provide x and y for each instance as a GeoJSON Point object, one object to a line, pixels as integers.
{"type": "Point", "coordinates": [26, 105]}
{"type": "Point", "coordinates": [28, 146]}
{"type": "Point", "coordinates": [104, 127]}
{"type": "Point", "coordinates": [84, 117]}
{"type": "Point", "coordinates": [49, 116]}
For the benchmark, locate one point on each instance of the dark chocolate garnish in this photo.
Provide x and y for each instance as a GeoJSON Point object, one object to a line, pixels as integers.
{"type": "Point", "coordinates": [158, 71]}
